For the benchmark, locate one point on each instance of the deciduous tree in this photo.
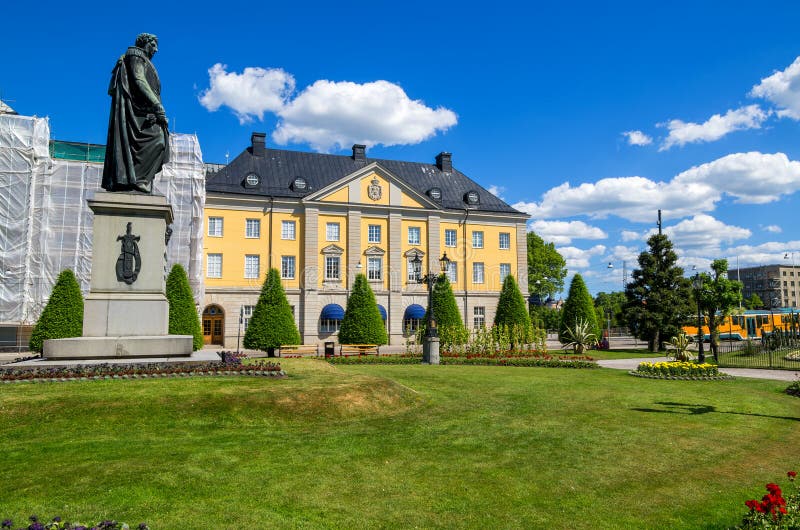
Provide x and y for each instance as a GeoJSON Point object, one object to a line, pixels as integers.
{"type": "Point", "coordinates": [718, 296]}
{"type": "Point", "coordinates": [546, 266]}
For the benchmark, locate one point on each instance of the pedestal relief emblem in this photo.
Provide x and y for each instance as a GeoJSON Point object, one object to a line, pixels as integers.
{"type": "Point", "coordinates": [129, 263]}
{"type": "Point", "coordinates": [374, 190]}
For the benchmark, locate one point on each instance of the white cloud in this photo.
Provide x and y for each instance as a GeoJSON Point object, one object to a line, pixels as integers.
{"type": "Point", "coordinates": [704, 231]}
{"type": "Point", "coordinates": [578, 258]}
{"type": "Point", "coordinates": [775, 229]}
{"type": "Point", "coordinates": [497, 191]}
{"type": "Point", "coordinates": [754, 178]}
{"type": "Point", "coordinates": [637, 138]}
{"type": "Point", "coordinates": [563, 232]}
{"type": "Point", "coordinates": [630, 235]}
{"type": "Point", "coordinates": [717, 126]}
{"type": "Point", "coordinates": [249, 94]}
{"type": "Point", "coordinates": [764, 254]}
{"type": "Point", "coordinates": [782, 89]}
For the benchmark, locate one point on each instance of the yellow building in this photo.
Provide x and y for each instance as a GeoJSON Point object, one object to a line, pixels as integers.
{"type": "Point", "coordinates": [321, 219]}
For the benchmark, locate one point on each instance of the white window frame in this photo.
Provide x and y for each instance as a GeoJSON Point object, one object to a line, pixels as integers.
{"type": "Point", "coordinates": [329, 231]}
{"type": "Point", "coordinates": [329, 326]}
{"type": "Point", "coordinates": [477, 239]}
{"type": "Point", "coordinates": [450, 238]}
{"type": "Point", "coordinates": [288, 267]}
{"type": "Point", "coordinates": [215, 225]}
{"type": "Point", "coordinates": [452, 272]}
{"type": "Point", "coordinates": [478, 272]}
{"type": "Point", "coordinates": [505, 273]}
{"type": "Point", "coordinates": [417, 240]}
{"type": "Point", "coordinates": [479, 317]}
{"type": "Point", "coordinates": [247, 313]}
{"type": "Point", "coordinates": [329, 260]}
{"type": "Point", "coordinates": [288, 230]}
{"type": "Point", "coordinates": [373, 233]}
{"type": "Point", "coordinates": [414, 272]}
{"type": "Point", "coordinates": [252, 228]}
{"type": "Point", "coordinates": [374, 268]}
{"type": "Point", "coordinates": [507, 237]}
{"type": "Point", "coordinates": [217, 272]}
{"type": "Point", "coordinates": [249, 261]}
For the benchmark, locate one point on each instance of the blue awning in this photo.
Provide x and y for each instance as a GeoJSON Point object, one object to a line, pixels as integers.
{"type": "Point", "coordinates": [332, 312]}
{"type": "Point", "coordinates": [414, 311]}
{"type": "Point", "coordinates": [382, 311]}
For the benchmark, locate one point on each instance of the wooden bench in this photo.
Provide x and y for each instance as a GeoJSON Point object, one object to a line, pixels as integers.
{"type": "Point", "coordinates": [358, 349]}
{"type": "Point", "coordinates": [299, 349]}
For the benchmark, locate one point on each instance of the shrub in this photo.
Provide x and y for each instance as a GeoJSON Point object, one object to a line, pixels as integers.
{"type": "Point", "coordinates": [794, 389]}
{"type": "Point", "coordinates": [272, 324]}
{"type": "Point", "coordinates": [63, 315]}
{"type": "Point", "coordinates": [511, 310]}
{"type": "Point", "coordinates": [362, 322]}
{"type": "Point", "coordinates": [578, 306]}
{"type": "Point", "coordinates": [183, 319]}
{"type": "Point", "coordinates": [774, 510]}
{"type": "Point", "coordinates": [580, 337]}
{"type": "Point", "coordinates": [445, 308]}
{"type": "Point", "coordinates": [681, 343]}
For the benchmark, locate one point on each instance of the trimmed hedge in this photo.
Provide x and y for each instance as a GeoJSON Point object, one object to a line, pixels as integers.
{"type": "Point", "coordinates": [183, 318]}
{"type": "Point", "coordinates": [579, 305]}
{"type": "Point", "coordinates": [445, 308]}
{"type": "Point", "coordinates": [63, 315]}
{"type": "Point", "coordinates": [362, 322]}
{"type": "Point", "coordinates": [511, 307]}
{"type": "Point", "coordinates": [272, 324]}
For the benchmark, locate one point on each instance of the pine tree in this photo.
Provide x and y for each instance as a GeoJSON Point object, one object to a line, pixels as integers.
{"type": "Point", "coordinates": [183, 318]}
{"type": "Point", "coordinates": [578, 306]}
{"type": "Point", "coordinates": [272, 324]}
{"type": "Point", "coordinates": [63, 315]}
{"type": "Point", "coordinates": [445, 309]}
{"type": "Point", "coordinates": [511, 308]}
{"type": "Point", "coordinates": [658, 298]}
{"type": "Point", "coordinates": [362, 322]}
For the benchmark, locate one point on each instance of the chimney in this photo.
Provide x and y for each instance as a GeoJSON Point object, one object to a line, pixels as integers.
{"type": "Point", "coordinates": [359, 153]}
{"type": "Point", "coordinates": [257, 140]}
{"type": "Point", "coordinates": [444, 161]}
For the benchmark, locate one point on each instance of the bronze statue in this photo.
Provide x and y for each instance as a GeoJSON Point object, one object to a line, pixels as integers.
{"type": "Point", "coordinates": [138, 138]}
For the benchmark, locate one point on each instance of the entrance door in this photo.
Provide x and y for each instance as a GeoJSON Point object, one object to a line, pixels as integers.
{"type": "Point", "coordinates": [213, 325]}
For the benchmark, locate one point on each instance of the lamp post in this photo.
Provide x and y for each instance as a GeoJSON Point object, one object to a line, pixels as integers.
{"type": "Point", "coordinates": [697, 282]}
{"type": "Point", "coordinates": [430, 349]}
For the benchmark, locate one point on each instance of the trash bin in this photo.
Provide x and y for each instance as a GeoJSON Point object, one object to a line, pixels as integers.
{"type": "Point", "coordinates": [329, 349]}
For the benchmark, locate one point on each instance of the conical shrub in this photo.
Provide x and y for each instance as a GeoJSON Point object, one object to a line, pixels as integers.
{"type": "Point", "coordinates": [183, 318]}
{"type": "Point", "coordinates": [578, 307]}
{"type": "Point", "coordinates": [63, 315]}
{"type": "Point", "coordinates": [272, 324]}
{"type": "Point", "coordinates": [362, 322]}
{"type": "Point", "coordinates": [511, 310]}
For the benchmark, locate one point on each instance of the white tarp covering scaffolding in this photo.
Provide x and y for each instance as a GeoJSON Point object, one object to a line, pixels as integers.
{"type": "Point", "coordinates": [46, 225]}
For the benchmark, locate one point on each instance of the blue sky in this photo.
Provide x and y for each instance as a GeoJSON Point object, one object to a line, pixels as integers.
{"type": "Point", "coordinates": [534, 100]}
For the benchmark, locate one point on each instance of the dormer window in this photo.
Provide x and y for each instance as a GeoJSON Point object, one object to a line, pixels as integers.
{"type": "Point", "coordinates": [299, 184]}
{"type": "Point", "coordinates": [472, 198]}
{"type": "Point", "coordinates": [252, 180]}
{"type": "Point", "coordinates": [435, 194]}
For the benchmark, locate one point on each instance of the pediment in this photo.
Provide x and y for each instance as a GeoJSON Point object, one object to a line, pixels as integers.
{"type": "Point", "coordinates": [374, 251]}
{"type": "Point", "coordinates": [413, 253]}
{"type": "Point", "coordinates": [333, 249]}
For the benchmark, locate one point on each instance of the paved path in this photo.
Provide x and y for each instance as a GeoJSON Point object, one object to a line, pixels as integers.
{"type": "Point", "coordinates": [777, 375]}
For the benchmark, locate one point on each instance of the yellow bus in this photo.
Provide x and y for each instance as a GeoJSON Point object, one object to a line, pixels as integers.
{"type": "Point", "coordinates": [751, 324]}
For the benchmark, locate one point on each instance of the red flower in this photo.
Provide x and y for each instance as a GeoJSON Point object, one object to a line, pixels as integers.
{"type": "Point", "coordinates": [752, 504]}
{"type": "Point", "coordinates": [791, 474]}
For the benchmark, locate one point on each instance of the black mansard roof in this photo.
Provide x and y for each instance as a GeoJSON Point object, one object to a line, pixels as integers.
{"type": "Point", "coordinates": [277, 169]}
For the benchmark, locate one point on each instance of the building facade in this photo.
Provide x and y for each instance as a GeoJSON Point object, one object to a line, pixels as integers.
{"type": "Point", "coordinates": [321, 219]}
{"type": "Point", "coordinates": [776, 285]}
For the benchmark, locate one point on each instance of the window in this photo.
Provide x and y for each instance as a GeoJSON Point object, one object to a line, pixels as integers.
{"type": "Point", "coordinates": [414, 270]}
{"type": "Point", "coordinates": [332, 268]}
{"type": "Point", "coordinates": [329, 326]}
{"type": "Point", "coordinates": [477, 273]}
{"type": "Point", "coordinates": [214, 266]}
{"type": "Point", "coordinates": [332, 231]}
{"type": "Point", "coordinates": [505, 241]}
{"type": "Point", "coordinates": [505, 270]}
{"type": "Point", "coordinates": [450, 238]}
{"type": "Point", "coordinates": [288, 230]}
{"type": "Point", "coordinates": [374, 234]}
{"type": "Point", "coordinates": [247, 313]}
{"type": "Point", "coordinates": [374, 265]}
{"type": "Point", "coordinates": [452, 272]}
{"type": "Point", "coordinates": [411, 325]}
{"type": "Point", "coordinates": [477, 239]}
{"type": "Point", "coordinates": [413, 235]}
{"type": "Point", "coordinates": [252, 228]}
{"type": "Point", "coordinates": [479, 317]}
{"type": "Point", "coordinates": [215, 226]}
{"type": "Point", "coordinates": [287, 267]}
{"type": "Point", "coordinates": [252, 265]}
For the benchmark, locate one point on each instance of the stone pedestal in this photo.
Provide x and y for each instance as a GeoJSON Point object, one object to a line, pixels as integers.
{"type": "Point", "coordinates": [124, 314]}
{"type": "Point", "coordinates": [430, 350]}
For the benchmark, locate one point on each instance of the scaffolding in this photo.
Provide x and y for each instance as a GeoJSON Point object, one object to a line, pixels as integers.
{"type": "Point", "coordinates": [46, 225]}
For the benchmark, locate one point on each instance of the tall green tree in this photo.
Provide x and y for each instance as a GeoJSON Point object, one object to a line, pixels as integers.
{"type": "Point", "coordinates": [62, 317]}
{"type": "Point", "coordinates": [545, 317]}
{"type": "Point", "coordinates": [511, 307]}
{"type": "Point", "coordinates": [718, 296]}
{"type": "Point", "coordinates": [362, 322]}
{"type": "Point", "coordinates": [613, 303]}
{"type": "Point", "coordinates": [754, 302]}
{"type": "Point", "coordinates": [272, 324]}
{"type": "Point", "coordinates": [445, 308]}
{"type": "Point", "coordinates": [546, 266]}
{"type": "Point", "coordinates": [183, 318]}
{"type": "Point", "coordinates": [658, 299]}
{"type": "Point", "coordinates": [578, 307]}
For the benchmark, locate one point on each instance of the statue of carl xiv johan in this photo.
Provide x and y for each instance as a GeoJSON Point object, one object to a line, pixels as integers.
{"type": "Point", "coordinates": [138, 138]}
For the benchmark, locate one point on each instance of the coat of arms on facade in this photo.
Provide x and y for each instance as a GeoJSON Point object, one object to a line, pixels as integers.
{"type": "Point", "coordinates": [129, 263]}
{"type": "Point", "coordinates": [374, 191]}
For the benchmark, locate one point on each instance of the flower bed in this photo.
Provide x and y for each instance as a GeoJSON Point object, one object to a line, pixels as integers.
{"type": "Point", "coordinates": [470, 360]}
{"type": "Point", "coordinates": [793, 356]}
{"type": "Point", "coordinates": [679, 370]}
{"type": "Point", "coordinates": [57, 524]}
{"type": "Point", "coordinates": [794, 389]}
{"type": "Point", "coordinates": [229, 365]}
{"type": "Point", "coordinates": [528, 354]}
{"type": "Point", "coordinates": [774, 510]}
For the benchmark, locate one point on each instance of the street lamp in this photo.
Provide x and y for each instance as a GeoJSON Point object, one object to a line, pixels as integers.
{"type": "Point", "coordinates": [430, 349]}
{"type": "Point", "coordinates": [697, 282]}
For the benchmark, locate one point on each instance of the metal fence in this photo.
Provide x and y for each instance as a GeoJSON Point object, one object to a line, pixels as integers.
{"type": "Point", "coordinates": [778, 351]}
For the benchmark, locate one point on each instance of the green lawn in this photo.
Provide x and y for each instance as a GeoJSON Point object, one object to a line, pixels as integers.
{"type": "Point", "coordinates": [396, 446]}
